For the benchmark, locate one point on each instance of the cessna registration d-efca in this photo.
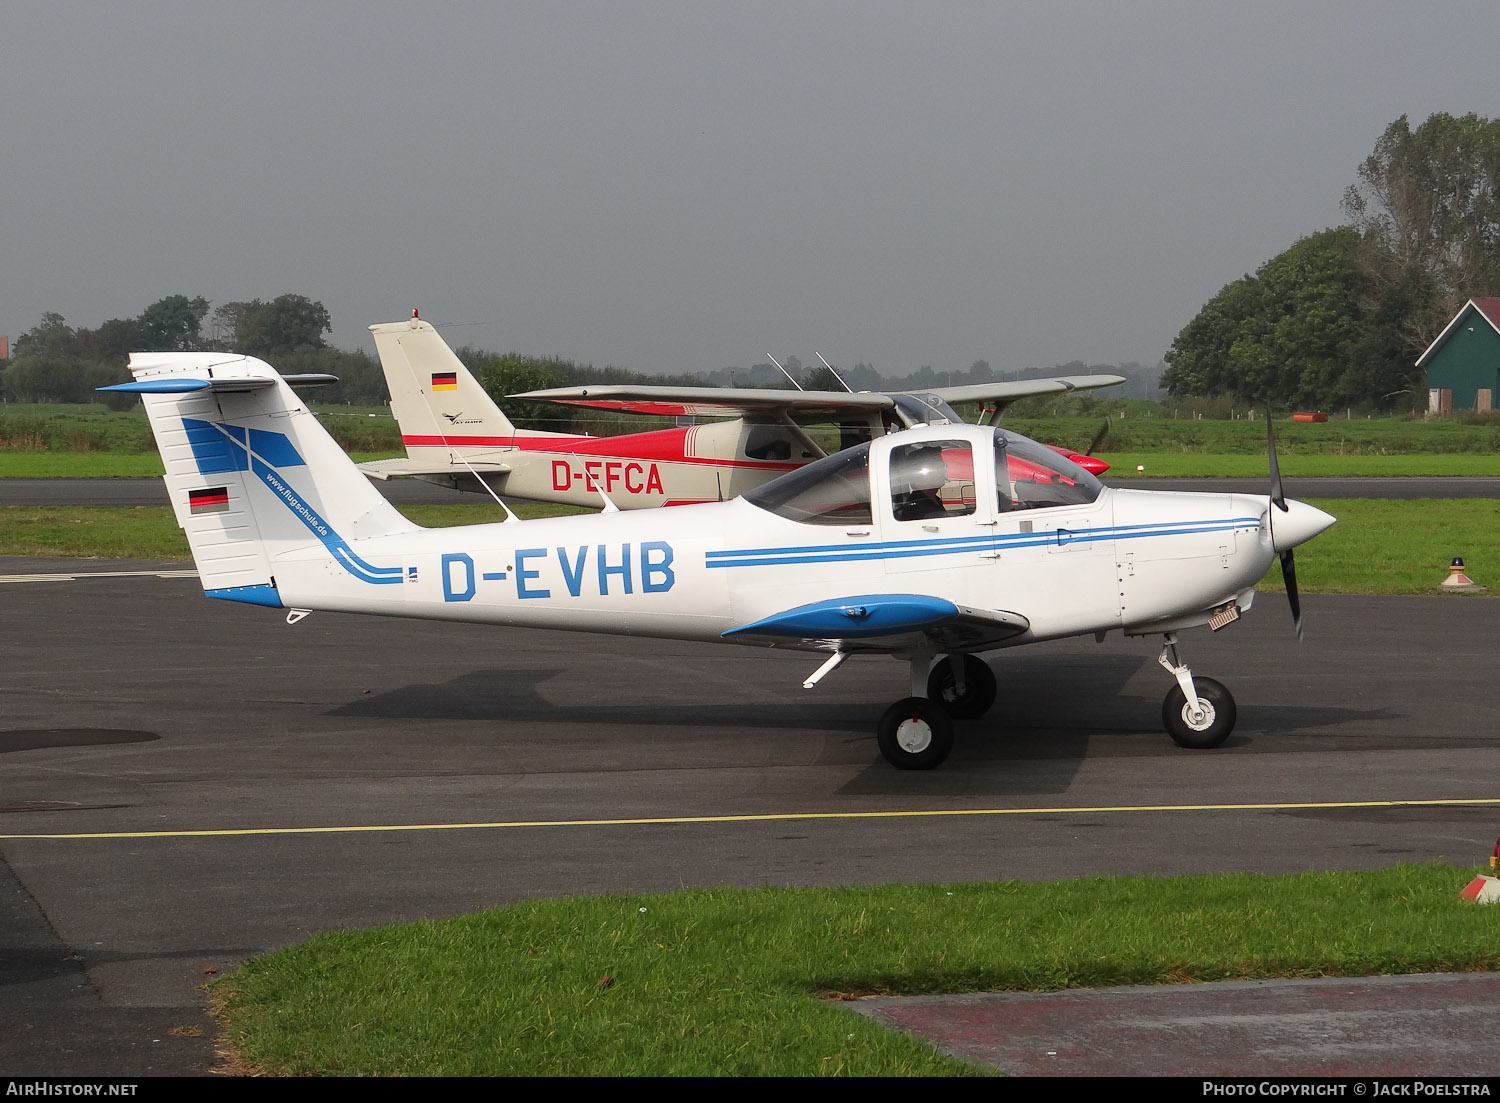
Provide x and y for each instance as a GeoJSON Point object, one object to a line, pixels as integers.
{"type": "Point", "coordinates": [456, 436]}
{"type": "Point", "coordinates": [930, 545]}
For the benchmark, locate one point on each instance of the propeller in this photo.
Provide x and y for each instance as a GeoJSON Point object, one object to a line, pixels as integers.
{"type": "Point", "coordinates": [1099, 436]}
{"type": "Point", "coordinates": [1278, 500]}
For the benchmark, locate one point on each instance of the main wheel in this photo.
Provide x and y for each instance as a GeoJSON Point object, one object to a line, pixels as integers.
{"type": "Point", "coordinates": [914, 734]}
{"type": "Point", "coordinates": [979, 687]}
{"type": "Point", "coordinates": [1209, 729]}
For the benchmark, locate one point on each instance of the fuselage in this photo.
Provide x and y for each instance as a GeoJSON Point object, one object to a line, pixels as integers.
{"type": "Point", "coordinates": [1065, 552]}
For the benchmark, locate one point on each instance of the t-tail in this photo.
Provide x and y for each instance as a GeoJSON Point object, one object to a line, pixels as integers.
{"type": "Point", "coordinates": [254, 479]}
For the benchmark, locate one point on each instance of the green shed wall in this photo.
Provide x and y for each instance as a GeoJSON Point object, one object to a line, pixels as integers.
{"type": "Point", "coordinates": [1468, 360]}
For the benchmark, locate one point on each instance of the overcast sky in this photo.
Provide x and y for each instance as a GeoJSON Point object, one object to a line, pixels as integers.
{"type": "Point", "coordinates": [683, 186]}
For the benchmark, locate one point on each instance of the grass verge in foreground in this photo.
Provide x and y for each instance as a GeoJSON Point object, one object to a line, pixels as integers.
{"type": "Point", "coordinates": [1379, 546]}
{"type": "Point", "coordinates": [734, 981]}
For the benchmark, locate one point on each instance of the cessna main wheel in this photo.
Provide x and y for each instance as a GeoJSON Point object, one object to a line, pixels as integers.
{"type": "Point", "coordinates": [979, 687]}
{"type": "Point", "coordinates": [1213, 721]}
{"type": "Point", "coordinates": [915, 734]}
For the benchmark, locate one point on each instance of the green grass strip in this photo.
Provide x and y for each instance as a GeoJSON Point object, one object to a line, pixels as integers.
{"type": "Point", "coordinates": [737, 981]}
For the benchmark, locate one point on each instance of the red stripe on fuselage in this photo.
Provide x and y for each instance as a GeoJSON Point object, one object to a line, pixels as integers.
{"type": "Point", "coordinates": [662, 446]}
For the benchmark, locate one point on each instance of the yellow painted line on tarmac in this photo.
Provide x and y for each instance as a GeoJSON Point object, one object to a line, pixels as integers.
{"type": "Point", "coordinates": [760, 817]}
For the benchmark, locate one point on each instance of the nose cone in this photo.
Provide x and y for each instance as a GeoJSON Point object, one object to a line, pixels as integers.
{"type": "Point", "coordinates": [1299, 524]}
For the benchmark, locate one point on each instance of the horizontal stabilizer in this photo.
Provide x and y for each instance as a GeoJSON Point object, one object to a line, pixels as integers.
{"type": "Point", "coordinates": [889, 622]}
{"type": "Point", "coordinates": [220, 386]}
{"type": "Point", "coordinates": [403, 468]}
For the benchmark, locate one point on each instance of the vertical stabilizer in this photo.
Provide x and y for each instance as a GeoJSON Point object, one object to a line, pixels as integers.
{"type": "Point", "coordinates": [437, 401]}
{"type": "Point", "coordinates": [253, 477]}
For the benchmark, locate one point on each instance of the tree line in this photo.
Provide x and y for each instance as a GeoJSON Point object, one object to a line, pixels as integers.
{"type": "Point", "coordinates": [1340, 318]}
{"type": "Point", "coordinates": [55, 362]}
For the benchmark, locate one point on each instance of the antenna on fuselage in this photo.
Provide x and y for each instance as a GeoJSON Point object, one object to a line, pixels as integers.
{"type": "Point", "coordinates": [836, 375]}
{"type": "Point", "coordinates": [783, 371]}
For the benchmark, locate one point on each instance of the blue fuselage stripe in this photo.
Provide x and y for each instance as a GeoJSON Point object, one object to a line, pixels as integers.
{"type": "Point", "coordinates": [909, 549]}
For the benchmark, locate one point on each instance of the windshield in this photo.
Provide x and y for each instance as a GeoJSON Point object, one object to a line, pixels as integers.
{"type": "Point", "coordinates": [1033, 476]}
{"type": "Point", "coordinates": [832, 491]}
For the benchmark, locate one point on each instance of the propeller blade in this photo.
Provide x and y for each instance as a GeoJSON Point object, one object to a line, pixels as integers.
{"type": "Point", "coordinates": [1098, 439]}
{"type": "Point", "coordinates": [1289, 575]}
{"type": "Point", "coordinates": [1278, 497]}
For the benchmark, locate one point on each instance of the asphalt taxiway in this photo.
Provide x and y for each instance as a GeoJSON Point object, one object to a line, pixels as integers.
{"type": "Point", "coordinates": [187, 783]}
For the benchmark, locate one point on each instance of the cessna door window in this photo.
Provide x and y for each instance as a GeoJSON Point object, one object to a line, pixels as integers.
{"type": "Point", "coordinates": [932, 479]}
{"type": "Point", "coordinates": [832, 491]}
{"type": "Point", "coordinates": [1033, 477]}
{"type": "Point", "coordinates": [778, 442]}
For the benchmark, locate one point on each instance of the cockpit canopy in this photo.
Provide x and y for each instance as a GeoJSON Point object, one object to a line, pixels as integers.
{"type": "Point", "coordinates": [902, 479]}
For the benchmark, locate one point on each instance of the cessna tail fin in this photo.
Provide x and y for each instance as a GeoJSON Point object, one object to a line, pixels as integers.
{"type": "Point", "coordinates": [437, 401]}
{"type": "Point", "coordinates": [254, 479]}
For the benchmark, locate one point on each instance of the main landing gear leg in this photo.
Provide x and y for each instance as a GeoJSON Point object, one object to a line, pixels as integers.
{"type": "Point", "coordinates": [915, 733]}
{"type": "Point", "coordinates": [963, 684]}
{"type": "Point", "coordinates": [1210, 718]}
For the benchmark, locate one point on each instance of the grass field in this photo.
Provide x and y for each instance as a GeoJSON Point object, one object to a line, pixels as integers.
{"type": "Point", "coordinates": [739, 982]}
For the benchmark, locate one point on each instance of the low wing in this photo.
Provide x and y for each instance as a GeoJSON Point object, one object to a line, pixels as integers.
{"type": "Point", "coordinates": [886, 622]}
{"type": "Point", "coordinates": [801, 405]}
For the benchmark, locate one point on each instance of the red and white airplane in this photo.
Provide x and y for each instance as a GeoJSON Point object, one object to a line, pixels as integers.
{"type": "Point", "coordinates": [456, 436]}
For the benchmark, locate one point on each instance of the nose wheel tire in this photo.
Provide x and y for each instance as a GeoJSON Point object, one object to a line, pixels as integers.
{"type": "Point", "coordinates": [915, 734]}
{"type": "Point", "coordinates": [979, 687]}
{"type": "Point", "coordinates": [1204, 727]}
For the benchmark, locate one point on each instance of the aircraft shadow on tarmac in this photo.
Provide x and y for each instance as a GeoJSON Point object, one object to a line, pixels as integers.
{"type": "Point", "coordinates": [31, 739]}
{"type": "Point", "coordinates": [1053, 711]}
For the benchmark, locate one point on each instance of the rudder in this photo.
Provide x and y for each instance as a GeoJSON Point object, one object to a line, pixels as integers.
{"type": "Point", "coordinates": [252, 476]}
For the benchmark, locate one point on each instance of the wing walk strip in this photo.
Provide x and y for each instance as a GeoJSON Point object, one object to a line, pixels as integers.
{"type": "Point", "coordinates": [764, 817]}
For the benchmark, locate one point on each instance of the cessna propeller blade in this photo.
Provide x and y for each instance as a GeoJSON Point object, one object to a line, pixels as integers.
{"type": "Point", "coordinates": [1098, 439]}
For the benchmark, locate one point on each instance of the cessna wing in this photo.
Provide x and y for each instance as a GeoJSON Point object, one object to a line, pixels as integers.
{"type": "Point", "coordinates": [802, 406]}
{"type": "Point", "coordinates": [714, 401]}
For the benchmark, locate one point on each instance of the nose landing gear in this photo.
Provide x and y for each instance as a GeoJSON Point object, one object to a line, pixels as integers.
{"type": "Point", "coordinates": [1198, 712]}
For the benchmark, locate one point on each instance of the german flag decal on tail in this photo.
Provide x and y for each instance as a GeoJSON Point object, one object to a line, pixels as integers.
{"type": "Point", "coordinates": [212, 500]}
{"type": "Point", "coordinates": [445, 381]}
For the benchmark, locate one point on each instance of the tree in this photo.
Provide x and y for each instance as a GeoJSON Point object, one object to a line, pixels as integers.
{"type": "Point", "coordinates": [1428, 206]}
{"type": "Point", "coordinates": [171, 324]}
{"type": "Point", "coordinates": [51, 337]}
{"type": "Point", "coordinates": [513, 374]}
{"type": "Point", "coordinates": [1293, 334]}
{"type": "Point", "coordinates": [267, 329]}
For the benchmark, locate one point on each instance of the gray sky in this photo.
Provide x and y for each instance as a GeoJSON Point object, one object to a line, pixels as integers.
{"type": "Point", "coordinates": [682, 186]}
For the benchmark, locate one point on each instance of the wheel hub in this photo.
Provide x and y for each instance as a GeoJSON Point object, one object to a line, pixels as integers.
{"type": "Point", "coordinates": [914, 736]}
{"type": "Point", "coordinates": [1200, 719]}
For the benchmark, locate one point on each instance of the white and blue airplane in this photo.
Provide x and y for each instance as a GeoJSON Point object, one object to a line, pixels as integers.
{"type": "Point", "coordinates": [932, 545]}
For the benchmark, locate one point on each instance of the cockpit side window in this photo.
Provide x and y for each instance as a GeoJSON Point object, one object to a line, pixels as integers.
{"type": "Point", "coordinates": [932, 479]}
{"type": "Point", "coordinates": [832, 491]}
{"type": "Point", "coordinates": [1031, 476]}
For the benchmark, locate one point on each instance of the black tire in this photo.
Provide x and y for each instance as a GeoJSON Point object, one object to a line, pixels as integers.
{"type": "Point", "coordinates": [1216, 703]}
{"type": "Point", "coordinates": [979, 687]}
{"type": "Point", "coordinates": [915, 734]}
